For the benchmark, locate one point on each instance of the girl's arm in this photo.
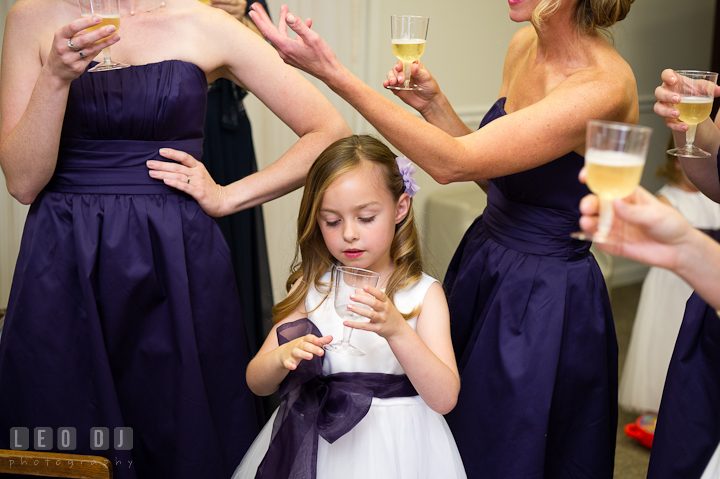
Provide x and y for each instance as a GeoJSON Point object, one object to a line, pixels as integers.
{"type": "Point", "coordinates": [234, 52]}
{"type": "Point", "coordinates": [33, 93]}
{"type": "Point", "coordinates": [426, 355]}
{"type": "Point", "coordinates": [550, 127]}
{"type": "Point", "coordinates": [273, 362]}
{"type": "Point", "coordinates": [703, 172]}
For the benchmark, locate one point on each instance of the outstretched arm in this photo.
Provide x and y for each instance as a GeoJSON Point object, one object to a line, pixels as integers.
{"type": "Point", "coordinates": [551, 127]}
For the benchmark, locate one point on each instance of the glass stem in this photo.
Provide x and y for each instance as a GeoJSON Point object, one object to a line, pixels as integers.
{"type": "Point", "coordinates": [606, 217]}
{"type": "Point", "coordinates": [690, 137]}
{"type": "Point", "coordinates": [106, 54]}
{"type": "Point", "coordinates": [406, 72]}
{"type": "Point", "coordinates": [347, 332]}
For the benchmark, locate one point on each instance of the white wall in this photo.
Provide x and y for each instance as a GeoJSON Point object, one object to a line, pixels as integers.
{"type": "Point", "coordinates": [467, 40]}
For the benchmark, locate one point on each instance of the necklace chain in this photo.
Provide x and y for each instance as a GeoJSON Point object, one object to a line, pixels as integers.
{"type": "Point", "coordinates": [133, 12]}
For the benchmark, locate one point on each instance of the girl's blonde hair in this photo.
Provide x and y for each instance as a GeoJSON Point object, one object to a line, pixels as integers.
{"type": "Point", "coordinates": [312, 257]}
{"type": "Point", "coordinates": [590, 15]}
{"type": "Point", "coordinates": [669, 169]}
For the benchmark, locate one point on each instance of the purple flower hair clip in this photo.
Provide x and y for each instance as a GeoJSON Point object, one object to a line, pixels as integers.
{"type": "Point", "coordinates": [407, 169]}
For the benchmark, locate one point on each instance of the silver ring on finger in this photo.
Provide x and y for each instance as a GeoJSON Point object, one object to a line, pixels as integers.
{"type": "Point", "coordinates": [188, 177]}
{"type": "Point", "coordinates": [71, 46]}
{"type": "Point", "coordinates": [82, 55]}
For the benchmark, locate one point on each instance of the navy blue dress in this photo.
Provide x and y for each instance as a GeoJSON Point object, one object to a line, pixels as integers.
{"type": "Point", "coordinates": [123, 310]}
{"type": "Point", "coordinates": [533, 333]}
{"type": "Point", "coordinates": [688, 424]}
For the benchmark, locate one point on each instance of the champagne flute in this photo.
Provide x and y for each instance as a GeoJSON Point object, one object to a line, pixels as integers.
{"type": "Point", "coordinates": [347, 280]}
{"type": "Point", "coordinates": [697, 90]}
{"type": "Point", "coordinates": [614, 157]}
{"type": "Point", "coordinates": [110, 13]}
{"type": "Point", "coordinates": [408, 43]}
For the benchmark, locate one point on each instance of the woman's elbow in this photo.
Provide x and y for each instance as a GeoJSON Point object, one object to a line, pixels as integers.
{"type": "Point", "coordinates": [24, 195]}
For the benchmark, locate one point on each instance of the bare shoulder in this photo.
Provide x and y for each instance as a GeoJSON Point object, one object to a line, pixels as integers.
{"type": "Point", "coordinates": [522, 42]}
{"type": "Point", "coordinates": [606, 85]}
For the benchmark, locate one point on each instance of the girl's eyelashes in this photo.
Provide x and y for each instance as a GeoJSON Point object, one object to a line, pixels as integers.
{"type": "Point", "coordinates": [367, 220]}
{"type": "Point", "coordinates": [332, 223]}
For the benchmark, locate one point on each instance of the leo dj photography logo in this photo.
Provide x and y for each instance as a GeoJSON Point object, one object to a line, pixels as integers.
{"type": "Point", "coordinates": [65, 438]}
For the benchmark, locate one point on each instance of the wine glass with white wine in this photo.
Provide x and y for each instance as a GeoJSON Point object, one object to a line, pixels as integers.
{"type": "Point", "coordinates": [110, 13]}
{"type": "Point", "coordinates": [408, 33]}
{"type": "Point", "coordinates": [614, 157]}
{"type": "Point", "coordinates": [347, 280]}
{"type": "Point", "coordinates": [697, 91]}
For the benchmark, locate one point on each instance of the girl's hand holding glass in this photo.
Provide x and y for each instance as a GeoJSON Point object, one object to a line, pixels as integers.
{"type": "Point", "coordinates": [304, 348]}
{"type": "Point", "coordinates": [384, 317]}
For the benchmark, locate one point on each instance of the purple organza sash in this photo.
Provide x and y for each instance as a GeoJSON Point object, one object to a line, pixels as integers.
{"type": "Point", "coordinates": [315, 405]}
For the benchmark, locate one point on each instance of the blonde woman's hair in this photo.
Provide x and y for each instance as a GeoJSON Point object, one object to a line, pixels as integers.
{"type": "Point", "coordinates": [590, 15]}
{"type": "Point", "coordinates": [312, 258]}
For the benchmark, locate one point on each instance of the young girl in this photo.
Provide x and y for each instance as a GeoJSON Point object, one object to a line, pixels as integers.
{"type": "Point", "coordinates": [378, 415]}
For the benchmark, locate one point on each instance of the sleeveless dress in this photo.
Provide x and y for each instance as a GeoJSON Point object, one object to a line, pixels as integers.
{"type": "Point", "coordinates": [688, 424]}
{"type": "Point", "coordinates": [660, 312]}
{"type": "Point", "coordinates": [533, 333]}
{"type": "Point", "coordinates": [123, 310]}
{"type": "Point", "coordinates": [398, 438]}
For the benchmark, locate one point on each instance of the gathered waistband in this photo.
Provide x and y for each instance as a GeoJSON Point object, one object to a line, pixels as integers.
{"type": "Point", "coordinates": [532, 229]}
{"type": "Point", "coordinates": [114, 166]}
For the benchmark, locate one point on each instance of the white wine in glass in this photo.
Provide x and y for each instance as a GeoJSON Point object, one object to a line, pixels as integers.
{"type": "Point", "coordinates": [347, 280]}
{"type": "Point", "coordinates": [697, 90]}
{"type": "Point", "coordinates": [409, 34]}
{"type": "Point", "coordinates": [614, 157]}
{"type": "Point", "coordinates": [110, 13]}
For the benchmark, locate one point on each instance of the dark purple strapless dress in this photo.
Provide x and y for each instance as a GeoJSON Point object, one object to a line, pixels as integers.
{"type": "Point", "coordinates": [123, 310]}
{"type": "Point", "coordinates": [533, 333]}
{"type": "Point", "coordinates": [688, 425]}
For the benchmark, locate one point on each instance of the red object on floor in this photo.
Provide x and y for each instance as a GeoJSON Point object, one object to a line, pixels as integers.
{"type": "Point", "coordinates": [643, 429]}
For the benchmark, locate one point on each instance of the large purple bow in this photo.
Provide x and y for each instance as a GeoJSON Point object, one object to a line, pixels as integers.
{"type": "Point", "coordinates": [315, 405]}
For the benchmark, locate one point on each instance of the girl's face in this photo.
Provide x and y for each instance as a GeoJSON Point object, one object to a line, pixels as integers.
{"type": "Point", "coordinates": [357, 219]}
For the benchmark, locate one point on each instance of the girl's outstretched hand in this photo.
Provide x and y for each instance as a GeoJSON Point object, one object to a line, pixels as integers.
{"type": "Point", "coordinates": [301, 348]}
{"type": "Point", "coordinates": [419, 75]}
{"type": "Point", "coordinates": [190, 176]}
{"type": "Point", "coordinates": [385, 319]}
{"type": "Point", "coordinates": [307, 52]}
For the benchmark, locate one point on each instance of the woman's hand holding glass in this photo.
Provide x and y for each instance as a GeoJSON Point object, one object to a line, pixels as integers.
{"type": "Point", "coordinates": [667, 97]}
{"type": "Point", "coordinates": [420, 99]}
{"type": "Point", "coordinates": [190, 176]}
{"type": "Point", "coordinates": [75, 46]}
{"type": "Point", "coordinates": [384, 317]}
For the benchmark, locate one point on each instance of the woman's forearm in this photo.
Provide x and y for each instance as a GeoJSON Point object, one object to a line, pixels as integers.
{"type": "Point", "coordinates": [28, 153]}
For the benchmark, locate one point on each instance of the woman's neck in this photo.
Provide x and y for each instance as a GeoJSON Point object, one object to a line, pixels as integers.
{"type": "Point", "coordinates": [558, 39]}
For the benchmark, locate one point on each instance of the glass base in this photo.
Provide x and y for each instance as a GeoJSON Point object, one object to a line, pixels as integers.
{"type": "Point", "coordinates": [594, 237]}
{"type": "Point", "coordinates": [686, 152]}
{"type": "Point", "coordinates": [403, 87]}
{"type": "Point", "coordinates": [107, 66]}
{"type": "Point", "coordinates": [343, 348]}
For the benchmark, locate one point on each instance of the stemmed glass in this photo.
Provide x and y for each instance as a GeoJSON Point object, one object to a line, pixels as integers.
{"type": "Point", "coordinates": [697, 90]}
{"type": "Point", "coordinates": [614, 157]}
{"type": "Point", "coordinates": [408, 43]}
{"type": "Point", "coordinates": [347, 280]}
{"type": "Point", "coordinates": [110, 13]}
